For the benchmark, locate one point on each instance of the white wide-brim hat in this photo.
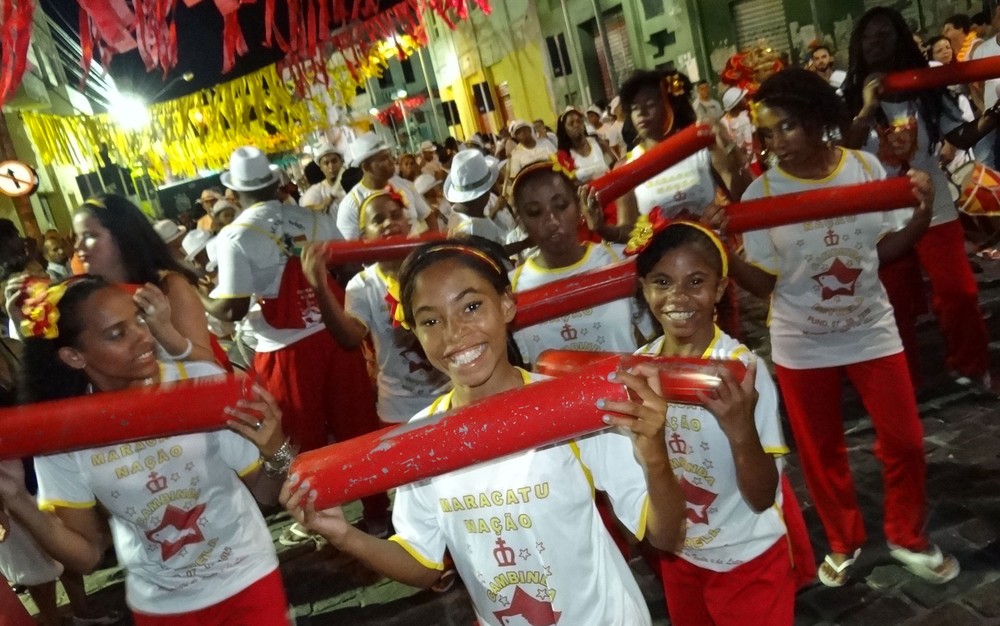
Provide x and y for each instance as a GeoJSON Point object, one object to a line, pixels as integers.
{"type": "Point", "coordinates": [516, 125]}
{"type": "Point", "coordinates": [221, 206]}
{"type": "Point", "coordinates": [425, 182]}
{"type": "Point", "coordinates": [471, 175]}
{"type": "Point", "coordinates": [365, 147]}
{"type": "Point", "coordinates": [194, 242]}
{"type": "Point", "coordinates": [168, 230]}
{"type": "Point", "coordinates": [732, 97]}
{"type": "Point", "coordinates": [249, 170]}
{"type": "Point", "coordinates": [324, 149]}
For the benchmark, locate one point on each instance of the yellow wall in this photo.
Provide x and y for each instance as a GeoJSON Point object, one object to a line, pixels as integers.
{"type": "Point", "coordinates": [524, 72]}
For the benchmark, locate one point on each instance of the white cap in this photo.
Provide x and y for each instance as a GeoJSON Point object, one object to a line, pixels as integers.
{"type": "Point", "coordinates": [732, 97]}
{"type": "Point", "coordinates": [365, 147]}
{"type": "Point", "coordinates": [249, 170]}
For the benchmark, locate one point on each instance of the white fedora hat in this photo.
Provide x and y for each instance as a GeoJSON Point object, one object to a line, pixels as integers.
{"type": "Point", "coordinates": [472, 175]}
{"type": "Point", "coordinates": [425, 182]}
{"type": "Point", "coordinates": [194, 242]}
{"type": "Point", "coordinates": [366, 146]}
{"type": "Point", "coordinates": [324, 149]}
{"type": "Point", "coordinates": [249, 170]}
{"type": "Point", "coordinates": [732, 97]}
{"type": "Point", "coordinates": [518, 124]}
{"type": "Point", "coordinates": [427, 146]}
{"type": "Point", "coordinates": [168, 230]}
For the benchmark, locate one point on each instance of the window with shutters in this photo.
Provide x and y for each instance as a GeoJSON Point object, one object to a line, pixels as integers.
{"type": "Point", "coordinates": [761, 20]}
{"type": "Point", "coordinates": [621, 53]}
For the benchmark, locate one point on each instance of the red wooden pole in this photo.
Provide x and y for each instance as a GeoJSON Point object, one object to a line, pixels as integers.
{"type": "Point", "coordinates": [942, 75]}
{"type": "Point", "coordinates": [388, 249]}
{"type": "Point", "coordinates": [118, 416]}
{"type": "Point", "coordinates": [663, 155]}
{"type": "Point", "coordinates": [582, 291]}
{"type": "Point", "coordinates": [681, 379]}
{"type": "Point", "coordinates": [530, 417]}
{"type": "Point", "coordinates": [807, 206]}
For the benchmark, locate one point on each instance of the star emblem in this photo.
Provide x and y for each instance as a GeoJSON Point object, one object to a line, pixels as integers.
{"type": "Point", "coordinates": [503, 600]}
{"type": "Point", "coordinates": [195, 481]}
{"type": "Point", "coordinates": [175, 477]}
{"type": "Point", "coordinates": [548, 570]}
{"type": "Point", "coordinates": [178, 529]}
{"type": "Point", "coordinates": [704, 446]}
{"type": "Point", "coordinates": [524, 554]}
{"type": "Point", "coordinates": [800, 243]}
{"type": "Point", "coordinates": [130, 511]}
{"type": "Point", "coordinates": [542, 594]}
{"type": "Point", "coordinates": [708, 464]}
{"type": "Point", "coordinates": [584, 332]}
{"type": "Point", "coordinates": [189, 466]}
{"type": "Point", "coordinates": [536, 338]}
{"type": "Point", "coordinates": [698, 501]}
{"type": "Point", "coordinates": [838, 280]}
{"type": "Point", "coordinates": [534, 611]}
{"type": "Point", "coordinates": [597, 326]}
{"type": "Point", "coordinates": [115, 494]}
{"type": "Point", "coordinates": [696, 480]}
{"type": "Point", "coordinates": [482, 579]}
{"type": "Point", "coordinates": [539, 546]}
{"type": "Point", "coordinates": [600, 340]}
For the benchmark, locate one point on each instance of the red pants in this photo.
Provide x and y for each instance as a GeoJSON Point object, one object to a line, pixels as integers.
{"type": "Point", "coordinates": [261, 604]}
{"type": "Point", "coordinates": [954, 299]}
{"type": "Point", "coordinates": [325, 394]}
{"type": "Point", "coordinates": [813, 400]}
{"type": "Point", "coordinates": [12, 612]}
{"type": "Point", "coordinates": [760, 592]}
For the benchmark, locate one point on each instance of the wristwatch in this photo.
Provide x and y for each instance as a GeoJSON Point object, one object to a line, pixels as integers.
{"type": "Point", "coordinates": [277, 466]}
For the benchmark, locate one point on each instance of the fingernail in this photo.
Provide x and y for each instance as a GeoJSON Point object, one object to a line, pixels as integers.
{"type": "Point", "coordinates": [304, 485]}
{"type": "Point", "coordinates": [600, 403]}
{"type": "Point", "coordinates": [294, 478]}
{"type": "Point", "coordinates": [313, 494]}
{"type": "Point", "coordinates": [613, 376]}
{"type": "Point", "coordinates": [228, 410]}
{"type": "Point", "coordinates": [606, 419]}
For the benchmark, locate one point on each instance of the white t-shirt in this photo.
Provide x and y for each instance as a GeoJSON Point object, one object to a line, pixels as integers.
{"type": "Point", "coordinates": [316, 196]}
{"type": "Point", "coordinates": [906, 114]}
{"type": "Point", "coordinates": [251, 263]}
{"type": "Point", "coordinates": [407, 382]}
{"type": "Point", "coordinates": [723, 532]}
{"type": "Point", "coordinates": [708, 111]}
{"type": "Point", "coordinates": [525, 156]}
{"type": "Point", "coordinates": [612, 133]}
{"type": "Point", "coordinates": [989, 48]}
{"type": "Point", "coordinates": [184, 525]}
{"type": "Point", "coordinates": [591, 166]}
{"type": "Point", "coordinates": [828, 307]}
{"type": "Point", "coordinates": [350, 207]}
{"type": "Point", "coordinates": [687, 186]}
{"type": "Point", "coordinates": [599, 328]}
{"type": "Point", "coordinates": [525, 535]}
{"type": "Point", "coordinates": [741, 128]}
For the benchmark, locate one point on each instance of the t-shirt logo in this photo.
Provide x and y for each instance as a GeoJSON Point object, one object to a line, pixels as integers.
{"type": "Point", "coordinates": [525, 610]}
{"type": "Point", "coordinates": [838, 280]}
{"type": "Point", "coordinates": [698, 501]}
{"type": "Point", "coordinates": [178, 529]}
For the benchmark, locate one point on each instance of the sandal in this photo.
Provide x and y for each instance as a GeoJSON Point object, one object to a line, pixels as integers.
{"type": "Point", "coordinates": [840, 572]}
{"type": "Point", "coordinates": [989, 254]}
{"type": "Point", "coordinates": [934, 566]}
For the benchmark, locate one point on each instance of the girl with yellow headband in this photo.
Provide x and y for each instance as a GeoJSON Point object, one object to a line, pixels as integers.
{"type": "Point", "coordinates": [540, 552]}
{"type": "Point", "coordinates": [734, 568]}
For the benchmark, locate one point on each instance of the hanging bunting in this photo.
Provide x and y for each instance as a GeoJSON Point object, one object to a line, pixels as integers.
{"type": "Point", "coordinates": [15, 35]}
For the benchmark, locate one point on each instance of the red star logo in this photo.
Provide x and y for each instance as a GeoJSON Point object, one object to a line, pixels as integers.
{"type": "Point", "coordinates": [531, 611]}
{"type": "Point", "coordinates": [698, 501]}
{"type": "Point", "coordinates": [839, 280]}
{"type": "Point", "coordinates": [178, 529]}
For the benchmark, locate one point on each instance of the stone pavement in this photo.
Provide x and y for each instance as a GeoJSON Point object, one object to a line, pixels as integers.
{"type": "Point", "coordinates": [962, 436]}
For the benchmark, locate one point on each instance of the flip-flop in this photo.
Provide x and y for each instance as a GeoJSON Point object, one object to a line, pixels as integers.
{"type": "Point", "coordinates": [837, 580]}
{"type": "Point", "coordinates": [989, 254]}
{"type": "Point", "coordinates": [927, 565]}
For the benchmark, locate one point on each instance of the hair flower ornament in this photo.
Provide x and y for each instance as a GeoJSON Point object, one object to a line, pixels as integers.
{"type": "Point", "coordinates": [41, 308]}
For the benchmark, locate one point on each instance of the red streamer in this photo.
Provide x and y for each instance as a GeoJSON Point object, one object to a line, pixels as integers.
{"type": "Point", "coordinates": [663, 155]}
{"type": "Point", "coordinates": [15, 35]}
{"type": "Point", "coordinates": [530, 417]}
{"type": "Point", "coordinates": [100, 419]}
{"type": "Point", "coordinates": [807, 206]}
{"type": "Point", "coordinates": [941, 76]}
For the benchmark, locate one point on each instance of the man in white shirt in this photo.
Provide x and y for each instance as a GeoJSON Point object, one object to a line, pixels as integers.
{"type": "Point", "coordinates": [821, 62]}
{"type": "Point", "coordinates": [609, 133]}
{"type": "Point", "coordinates": [323, 390]}
{"type": "Point", "coordinates": [707, 109]}
{"type": "Point", "coordinates": [528, 149]}
{"type": "Point", "coordinates": [476, 210]}
{"type": "Point", "coordinates": [326, 195]}
{"type": "Point", "coordinates": [378, 169]}
{"type": "Point", "coordinates": [985, 95]}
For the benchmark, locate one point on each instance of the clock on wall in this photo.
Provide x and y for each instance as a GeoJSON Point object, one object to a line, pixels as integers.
{"type": "Point", "coordinates": [17, 179]}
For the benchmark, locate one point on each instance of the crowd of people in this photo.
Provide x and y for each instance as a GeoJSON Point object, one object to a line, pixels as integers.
{"type": "Point", "coordinates": [338, 351]}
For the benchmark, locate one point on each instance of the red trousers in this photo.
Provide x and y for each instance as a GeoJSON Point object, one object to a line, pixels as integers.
{"type": "Point", "coordinates": [325, 395]}
{"type": "Point", "coordinates": [12, 612]}
{"type": "Point", "coordinates": [954, 299]}
{"type": "Point", "coordinates": [261, 604]}
{"type": "Point", "coordinates": [760, 592]}
{"type": "Point", "coordinates": [813, 401]}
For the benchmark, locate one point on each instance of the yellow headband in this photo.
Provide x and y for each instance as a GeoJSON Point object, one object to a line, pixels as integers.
{"type": "Point", "coordinates": [721, 247]}
{"type": "Point", "coordinates": [479, 254]}
{"type": "Point", "coordinates": [389, 191]}
{"type": "Point", "coordinates": [649, 226]}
